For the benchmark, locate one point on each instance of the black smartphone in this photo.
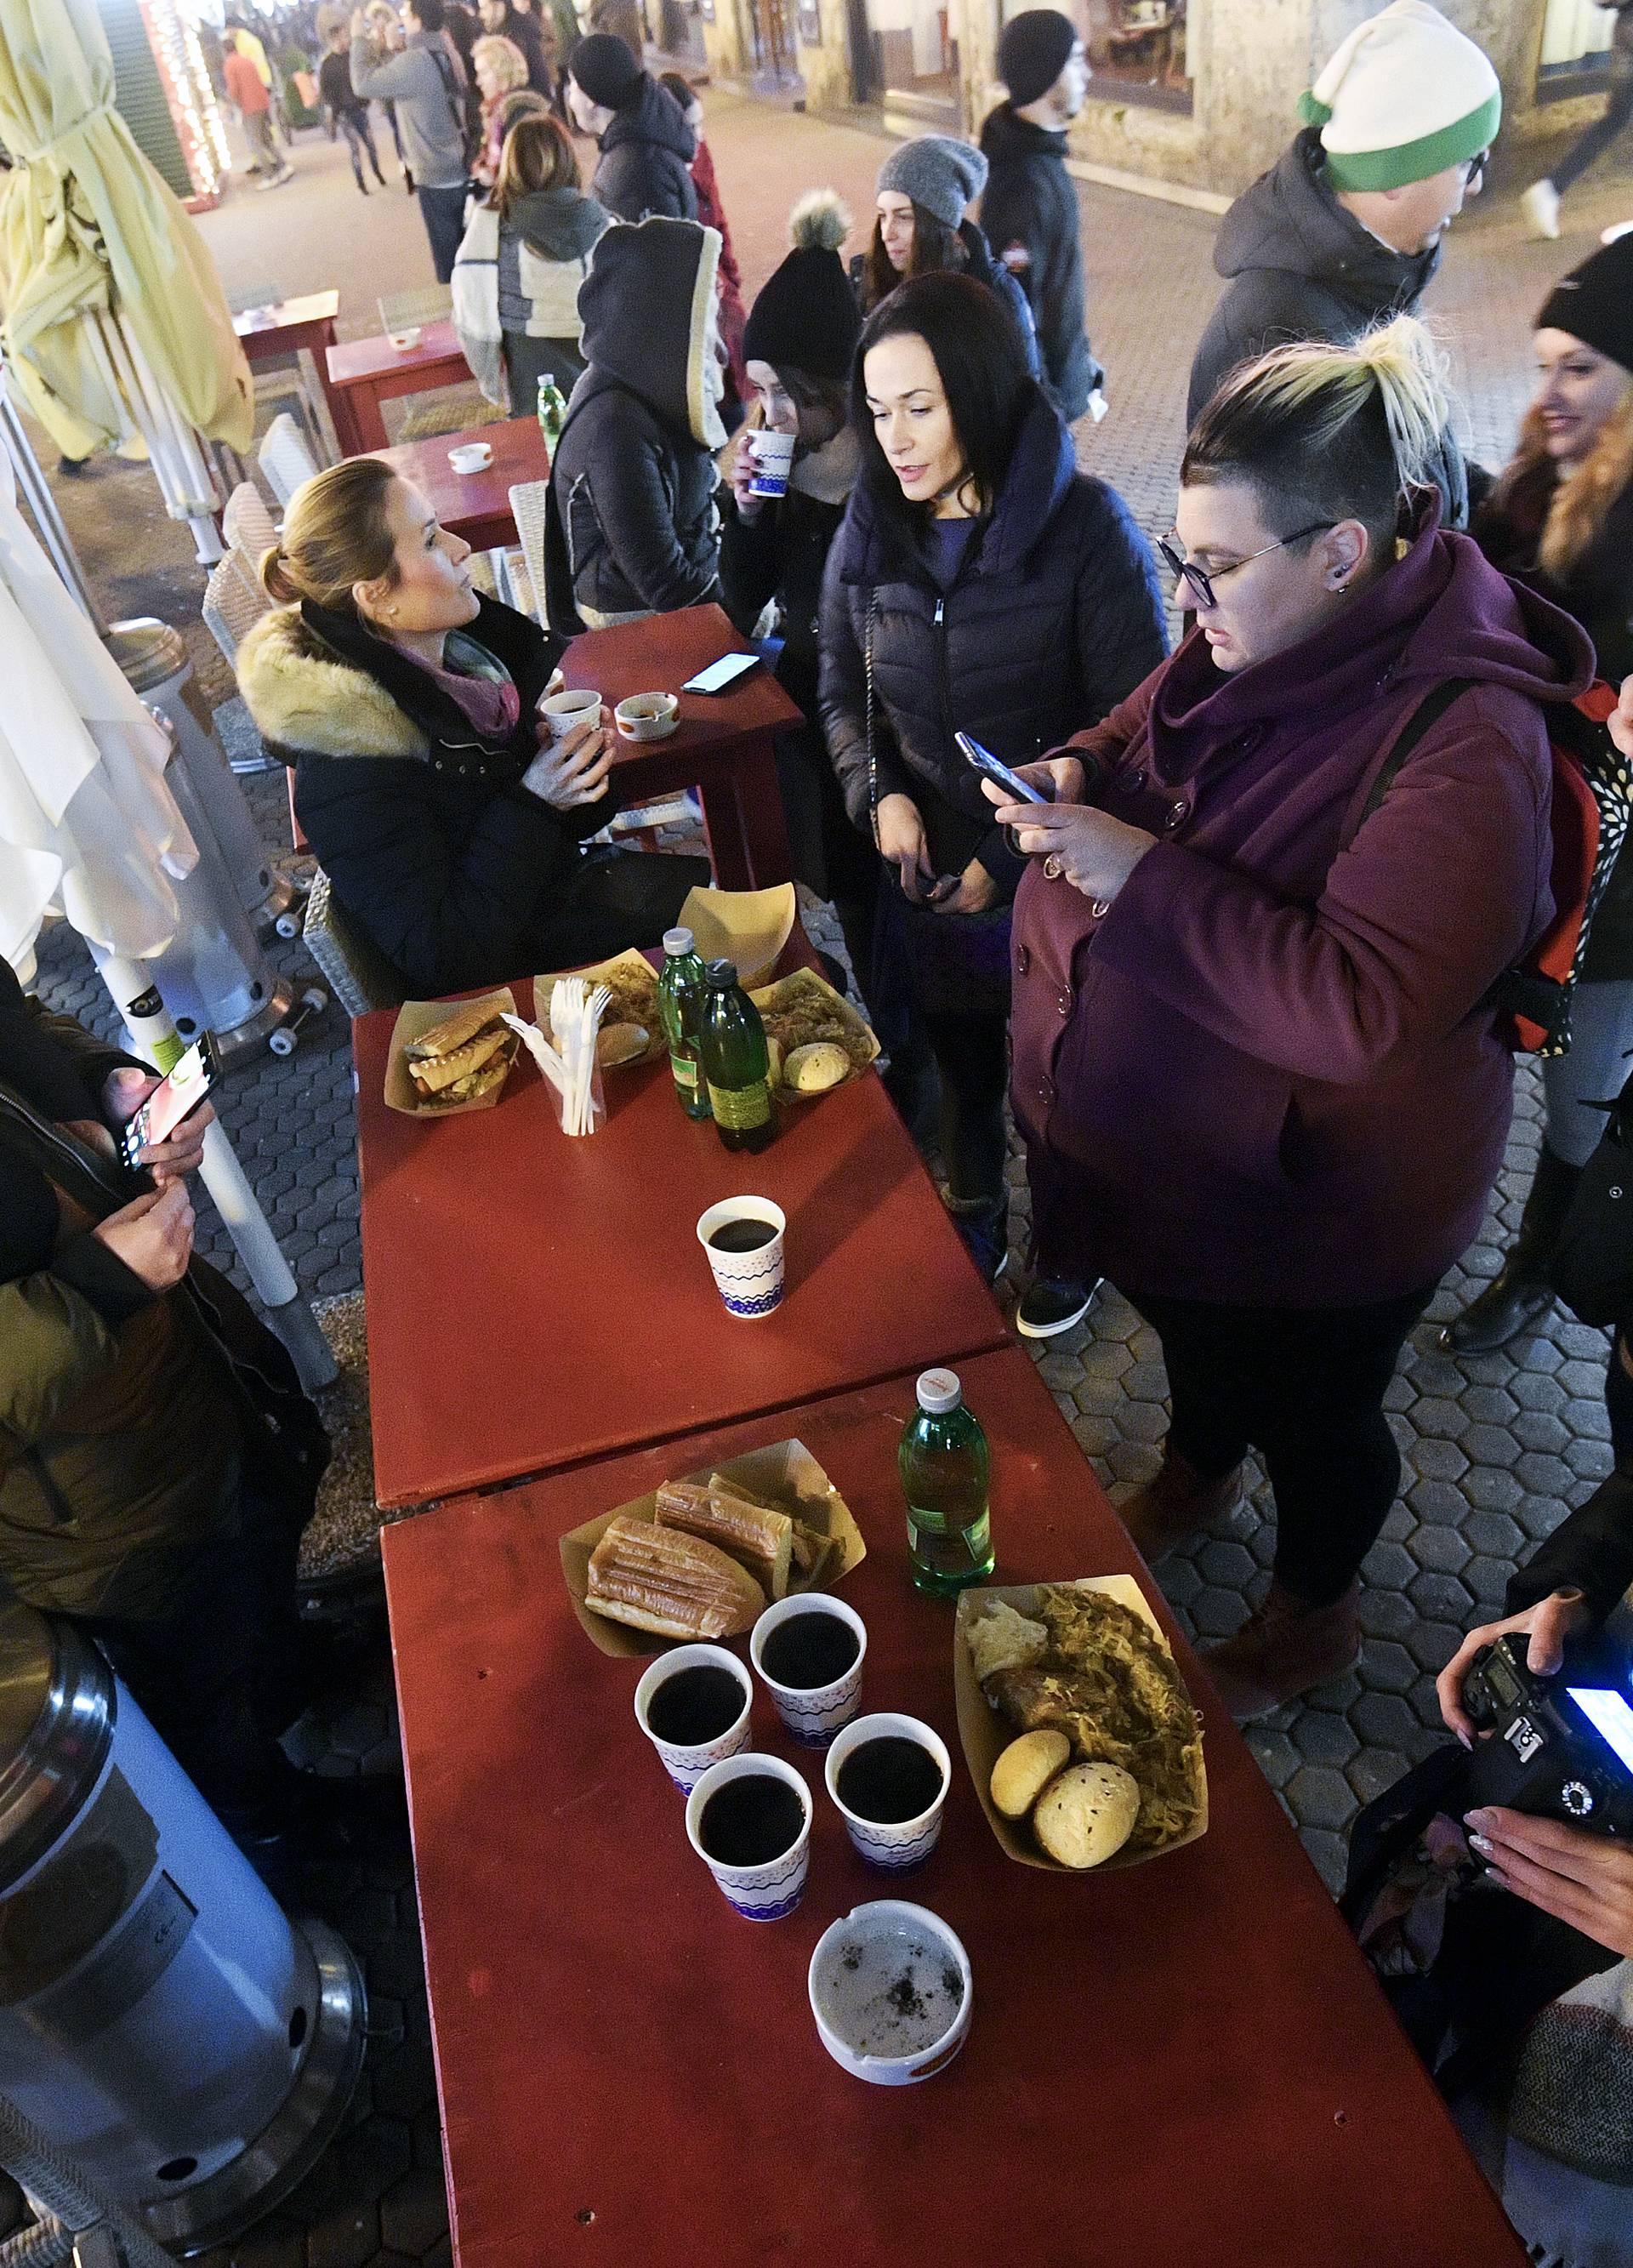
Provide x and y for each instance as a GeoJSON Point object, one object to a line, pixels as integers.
{"type": "Point", "coordinates": [722, 673]}
{"type": "Point", "coordinates": [992, 769]}
{"type": "Point", "coordinates": [176, 1097]}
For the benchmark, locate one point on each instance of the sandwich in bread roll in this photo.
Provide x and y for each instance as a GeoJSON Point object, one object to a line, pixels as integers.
{"type": "Point", "coordinates": [663, 1579]}
{"type": "Point", "coordinates": [755, 1535]}
{"type": "Point", "coordinates": [465, 1055]}
{"type": "Point", "coordinates": [816, 1067]}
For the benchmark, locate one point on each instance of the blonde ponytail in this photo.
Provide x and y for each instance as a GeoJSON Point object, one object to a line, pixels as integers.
{"type": "Point", "coordinates": [1409, 370]}
{"type": "Point", "coordinates": [336, 533]}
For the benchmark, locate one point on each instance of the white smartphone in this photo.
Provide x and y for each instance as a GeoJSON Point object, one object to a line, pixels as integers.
{"type": "Point", "coordinates": [989, 766]}
{"type": "Point", "coordinates": [721, 674]}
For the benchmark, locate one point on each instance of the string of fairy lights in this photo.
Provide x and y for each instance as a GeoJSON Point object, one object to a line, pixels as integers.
{"type": "Point", "coordinates": [172, 34]}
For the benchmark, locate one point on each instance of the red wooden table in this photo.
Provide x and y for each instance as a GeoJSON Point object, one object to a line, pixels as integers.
{"type": "Point", "coordinates": [535, 1300]}
{"type": "Point", "coordinates": [723, 744]}
{"type": "Point", "coordinates": [1185, 2065]}
{"type": "Point", "coordinates": [293, 326]}
{"type": "Point", "coordinates": [364, 372]}
{"type": "Point", "coordinates": [475, 506]}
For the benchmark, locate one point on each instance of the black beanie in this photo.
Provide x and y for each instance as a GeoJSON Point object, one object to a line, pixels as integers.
{"type": "Point", "coordinates": [603, 67]}
{"type": "Point", "coordinates": [806, 316]}
{"type": "Point", "coordinates": [1595, 303]}
{"type": "Point", "coordinates": [1034, 50]}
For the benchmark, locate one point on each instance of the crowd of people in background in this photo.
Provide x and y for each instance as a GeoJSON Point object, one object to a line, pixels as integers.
{"type": "Point", "coordinates": [1234, 974]}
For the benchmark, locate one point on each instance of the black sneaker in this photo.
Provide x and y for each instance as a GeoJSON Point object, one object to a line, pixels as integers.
{"type": "Point", "coordinates": [1051, 1307]}
{"type": "Point", "coordinates": [985, 1231]}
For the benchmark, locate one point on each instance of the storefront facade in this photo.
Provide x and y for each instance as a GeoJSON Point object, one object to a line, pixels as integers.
{"type": "Point", "coordinates": [1193, 97]}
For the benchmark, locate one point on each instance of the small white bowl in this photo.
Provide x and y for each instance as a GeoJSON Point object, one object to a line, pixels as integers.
{"type": "Point", "coordinates": [471, 457]}
{"type": "Point", "coordinates": [404, 340]}
{"type": "Point", "coordinates": [892, 1993]}
{"type": "Point", "coordinates": [647, 716]}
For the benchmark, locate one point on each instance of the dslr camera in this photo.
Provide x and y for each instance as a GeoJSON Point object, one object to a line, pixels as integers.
{"type": "Point", "coordinates": [1555, 1749]}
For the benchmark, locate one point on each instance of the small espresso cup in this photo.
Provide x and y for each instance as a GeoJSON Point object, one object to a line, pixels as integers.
{"type": "Point", "coordinates": [647, 716]}
{"type": "Point", "coordinates": [563, 712]}
{"type": "Point", "coordinates": [750, 1282]}
{"type": "Point", "coordinates": [773, 455]}
{"type": "Point", "coordinates": [687, 1762]}
{"type": "Point", "coordinates": [766, 1889]}
{"type": "Point", "coordinates": [471, 457]}
{"type": "Point", "coordinates": [891, 1843]}
{"type": "Point", "coordinates": [812, 1713]}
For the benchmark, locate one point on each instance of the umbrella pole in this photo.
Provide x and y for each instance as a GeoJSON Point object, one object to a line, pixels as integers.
{"type": "Point", "coordinates": [43, 508]}
{"type": "Point", "coordinates": [109, 347]}
{"type": "Point", "coordinates": [193, 497]}
{"type": "Point", "coordinates": [154, 1036]}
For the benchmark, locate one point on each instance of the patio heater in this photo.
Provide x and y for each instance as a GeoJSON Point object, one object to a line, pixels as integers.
{"type": "Point", "coordinates": [186, 2049]}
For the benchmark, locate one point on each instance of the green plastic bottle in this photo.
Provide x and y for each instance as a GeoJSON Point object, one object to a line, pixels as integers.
{"type": "Point", "coordinates": [736, 1062]}
{"type": "Point", "coordinates": [680, 1004]}
{"type": "Point", "coordinates": [944, 1466]}
{"type": "Point", "coordinates": [552, 412]}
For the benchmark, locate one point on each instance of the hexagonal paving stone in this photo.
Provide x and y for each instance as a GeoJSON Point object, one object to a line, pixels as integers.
{"type": "Point", "coordinates": [1437, 1460]}
{"type": "Point", "coordinates": [1217, 1612]}
{"type": "Point", "coordinates": [1144, 1421]}
{"type": "Point", "coordinates": [1374, 1771]}
{"type": "Point", "coordinates": [1230, 1565]}
{"type": "Point", "coordinates": [1322, 1737]}
{"type": "Point", "coordinates": [1386, 1666]}
{"type": "Point", "coordinates": [1386, 1613]}
{"type": "Point", "coordinates": [1132, 1461]}
{"type": "Point", "coordinates": [1491, 1489]}
{"type": "Point", "coordinates": [1493, 1532]}
{"type": "Point", "coordinates": [1385, 1721]}
{"type": "Point", "coordinates": [1273, 1753]}
{"type": "Point", "coordinates": [1534, 1389]}
{"type": "Point", "coordinates": [1442, 1598]}
{"type": "Point", "coordinates": [1491, 1445]}
{"type": "Point", "coordinates": [1541, 1430]}
{"type": "Point", "coordinates": [1319, 1796]}
{"type": "Point", "coordinates": [1544, 1476]}
{"type": "Point", "coordinates": [1442, 1549]}
{"type": "Point", "coordinates": [1389, 1566]}
{"type": "Point", "coordinates": [1432, 1644]}
{"type": "Point", "coordinates": [1434, 1415]}
{"type": "Point", "coordinates": [1437, 1501]}
{"type": "Point", "coordinates": [1488, 1405]}
{"type": "Point", "coordinates": [1588, 1420]}
{"type": "Point", "coordinates": [413, 2214]}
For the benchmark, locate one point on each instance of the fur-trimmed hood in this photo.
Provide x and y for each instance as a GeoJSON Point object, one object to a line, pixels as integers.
{"type": "Point", "coordinates": [306, 700]}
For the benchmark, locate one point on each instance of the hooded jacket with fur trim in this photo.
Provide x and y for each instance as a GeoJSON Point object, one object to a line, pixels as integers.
{"type": "Point", "coordinates": [630, 524]}
{"type": "Point", "coordinates": [455, 873]}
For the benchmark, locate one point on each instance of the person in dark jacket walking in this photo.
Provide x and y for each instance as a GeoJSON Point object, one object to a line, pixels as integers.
{"type": "Point", "coordinates": [631, 525]}
{"type": "Point", "coordinates": [979, 584]}
{"type": "Point", "coordinates": [1561, 514]}
{"type": "Point", "coordinates": [799, 344]}
{"type": "Point", "coordinates": [349, 115]}
{"type": "Point", "coordinates": [501, 21]}
{"type": "Point", "coordinates": [1259, 1079]}
{"type": "Point", "coordinates": [452, 830]}
{"type": "Point", "coordinates": [143, 1495]}
{"type": "Point", "coordinates": [924, 191]}
{"type": "Point", "coordinates": [425, 84]}
{"type": "Point", "coordinates": [1346, 228]}
{"type": "Point", "coordinates": [647, 147]}
{"type": "Point", "coordinates": [1029, 214]}
{"type": "Point", "coordinates": [1541, 200]}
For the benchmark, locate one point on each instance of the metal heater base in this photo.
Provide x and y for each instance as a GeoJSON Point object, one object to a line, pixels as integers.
{"type": "Point", "coordinates": [215, 2211]}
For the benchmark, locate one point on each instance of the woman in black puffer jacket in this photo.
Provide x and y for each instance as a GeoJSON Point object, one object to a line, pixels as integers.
{"type": "Point", "coordinates": [979, 584]}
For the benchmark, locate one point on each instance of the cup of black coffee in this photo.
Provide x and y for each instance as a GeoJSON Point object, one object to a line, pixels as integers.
{"type": "Point", "coordinates": [693, 1705]}
{"type": "Point", "coordinates": [749, 1820]}
{"type": "Point", "coordinates": [888, 1777]}
{"type": "Point", "coordinates": [743, 1238]}
{"type": "Point", "coordinates": [808, 1651]}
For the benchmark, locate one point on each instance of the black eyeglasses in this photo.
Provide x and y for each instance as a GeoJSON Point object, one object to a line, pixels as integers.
{"type": "Point", "coordinates": [1475, 171]}
{"type": "Point", "coordinates": [1202, 582]}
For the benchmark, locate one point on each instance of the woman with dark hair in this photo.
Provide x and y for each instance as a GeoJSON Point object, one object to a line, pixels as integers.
{"type": "Point", "coordinates": [1259, 1081]}
{"type": "Point", "coordinates": [981, 584]}
{"type": "Point", "coordinates": [924, 191]}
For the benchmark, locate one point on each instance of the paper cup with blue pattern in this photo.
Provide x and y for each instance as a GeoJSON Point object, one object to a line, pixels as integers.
{"type": "Point", "coordinates": [751, 1281]}
{"type": "Point", "coordinates": [895, 1844]}
{"type": "Point", "coordinates": [812, 1713]}
{"type": "Point", "coordinates": [774, 1886]}
{"type": "Point", "coordinates": [685, 1762]}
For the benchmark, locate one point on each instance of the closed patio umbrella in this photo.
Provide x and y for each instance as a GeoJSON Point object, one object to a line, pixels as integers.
{"type": "Point", "coordinates": [115, 324]}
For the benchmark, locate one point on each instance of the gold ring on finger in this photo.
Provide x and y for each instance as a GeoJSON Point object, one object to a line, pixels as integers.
{"type": "Point", "coordinates": [1052, 867]}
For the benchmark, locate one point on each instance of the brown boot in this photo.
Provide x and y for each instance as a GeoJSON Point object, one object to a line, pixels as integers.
{"type": "Point", "coordinates": [1284, 1648]}
{"type": "Point", "coordinates": [1176, 1504]}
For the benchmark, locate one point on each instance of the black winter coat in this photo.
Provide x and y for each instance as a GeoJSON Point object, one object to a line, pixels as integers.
{"type": "Point", "coordinates": [635, 495]}
{"type": "Point", "coordinates": [782, 556]}
{"type": "Point", "coordinates": [456, 873]}
{"type": "Point", "coordinates": [646, 157]}
{"type": "Point", "coordinates": [1030, 210]}
{"type": "Point", "coordinates": [1054, 616]}
{"type": "Point", "coordinates": [1300, 266]}
{"type": "Point", "coordinates": [980, 263]}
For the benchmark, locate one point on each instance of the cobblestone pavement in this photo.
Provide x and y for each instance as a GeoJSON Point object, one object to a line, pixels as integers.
{"type": "Point", "coordinates": [1496, 1448]}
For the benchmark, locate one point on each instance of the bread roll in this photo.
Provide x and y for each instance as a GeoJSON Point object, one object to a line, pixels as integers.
{"type": "Point", "coordinates": [815, 1068]}
{"type": "Point", "coordinates": [1085, 1815]}
{"type": "Point", "coordinates": [1025, 1769]}
{"type": "Point", "coordinates": [659, 1579]}
{"type": "Point", "coordinates": [621, 1043]}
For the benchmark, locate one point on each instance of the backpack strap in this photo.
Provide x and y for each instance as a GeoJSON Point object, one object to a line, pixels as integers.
{"type": "Point", "coordinates": [1422, 721]}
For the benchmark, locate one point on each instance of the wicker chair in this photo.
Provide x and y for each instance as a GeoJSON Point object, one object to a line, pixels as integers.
{"type": "Point", "coordinates": [354, 971]}
{"type": "Point", "coordinates": [234, 603]}
{"type": "Point", "coordinates": [248, 527]}
{"type": "Point", "coordinates": [284, 458]}
{"type": "Point", "coordinates": [528, 509]}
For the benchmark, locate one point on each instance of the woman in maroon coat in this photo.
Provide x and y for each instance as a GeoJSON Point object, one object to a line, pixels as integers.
{"type": "Point", "coordinates": [1258, 1086]}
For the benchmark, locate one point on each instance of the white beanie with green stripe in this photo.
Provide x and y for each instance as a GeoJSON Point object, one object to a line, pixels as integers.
{"type": "Point", "coordinates": [1406, 96]}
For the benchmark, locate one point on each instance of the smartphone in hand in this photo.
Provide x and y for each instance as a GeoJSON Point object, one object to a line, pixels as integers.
{"type": "Point", "coordinates": [176, 1097]}
{"type": "Point", "coordinates": [990, 768]}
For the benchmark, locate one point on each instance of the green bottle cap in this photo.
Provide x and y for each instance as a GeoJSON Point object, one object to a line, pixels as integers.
{"type": "Point", "coordinates": [939, 1391]}
{"type": "Point", "coordinates": [677, 943]}
{"type": "Point", "coordinates": [721, 975]}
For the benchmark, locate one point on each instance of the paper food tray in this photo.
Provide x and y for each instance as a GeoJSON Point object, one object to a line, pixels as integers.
{"type": "Point", "coordinates": [984, 1734]}
{"type": "Point", "coordinates": [747, 927]}
{"type": "Point", "coordinates": [417, 1016]}
{"type": "Point", "coordinates": [784, 1474]}
{"type": "Point", "coordinates": [804, 985]}
{"type": "Point", "coordinates": [629, 962]}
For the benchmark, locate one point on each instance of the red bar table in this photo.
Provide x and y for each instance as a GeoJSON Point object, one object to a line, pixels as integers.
{"type": "Point", "coordinates": [723, 745]}
{"type": "Point", "coordinates": [536, 1300]}
{"type": "Point", "coordinates": [475, 506]}
{"type": "Point", "coordinates": [294, 326]}
{"type": "Point", "coordinates": [1185, 2065]}
{"type": "Point", "coordinates": [367, 371]}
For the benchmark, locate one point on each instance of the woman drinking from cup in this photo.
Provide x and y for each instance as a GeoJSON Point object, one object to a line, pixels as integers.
{"type": "Point", "coordinates": [449, 823]}
{"type": "Point", "coordinates": [1258, 1078]}
{"type": "Point", "coordinates": [979, 584]}
{"type": "Point", "coordinates": [1563, 514]}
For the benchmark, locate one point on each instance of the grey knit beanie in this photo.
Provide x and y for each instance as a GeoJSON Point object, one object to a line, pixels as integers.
{"type": "Point", "coordinates": [942, 175]}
